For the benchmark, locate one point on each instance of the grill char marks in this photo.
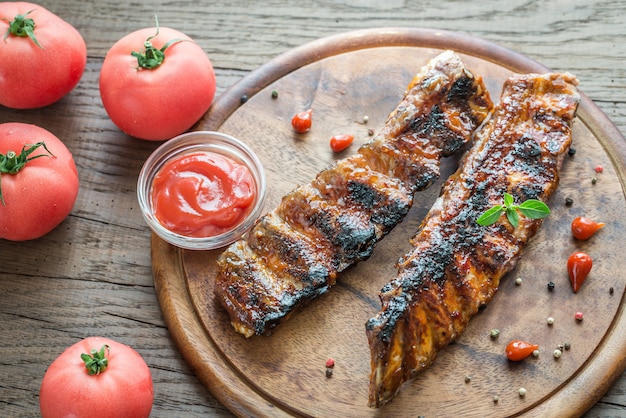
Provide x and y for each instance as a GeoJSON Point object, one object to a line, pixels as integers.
{"type": "Point", "coordinates": [455, 265]}
{"type": "Point", "coordinates": [295, 253]}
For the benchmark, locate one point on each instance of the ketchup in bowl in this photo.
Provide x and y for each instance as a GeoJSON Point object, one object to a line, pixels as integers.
{"type": "Point", "coordinates": [202, 194]}
{"type": "Point", "coordinates": [201, 190]}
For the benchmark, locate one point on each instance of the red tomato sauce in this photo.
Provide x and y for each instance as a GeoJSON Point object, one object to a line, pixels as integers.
{"type": "Point", "coordinates": [202, 194]}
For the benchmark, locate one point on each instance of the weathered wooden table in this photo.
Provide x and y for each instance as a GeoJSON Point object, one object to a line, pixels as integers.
{"type": "Point", "coordinates": [93, 274]}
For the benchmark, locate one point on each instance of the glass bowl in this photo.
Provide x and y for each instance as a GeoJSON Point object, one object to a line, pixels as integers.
{"type": "Point", "coordinates": [188, 143]}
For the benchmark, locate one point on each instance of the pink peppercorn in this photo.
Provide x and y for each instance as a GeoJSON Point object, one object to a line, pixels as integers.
{"type": "Point", "coordinates": [330, 363]}
{"type": "Point", "coordinates": [599, 169]}
{"type": "Point", "coordinates": [579, 316]}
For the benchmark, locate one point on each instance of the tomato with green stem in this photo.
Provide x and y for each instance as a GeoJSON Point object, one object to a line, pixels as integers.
{"type": "Point", "coordinates": [156, 83]}
{"type": "Point", "coordinates": [97, 378]}
{"type": "Point", "coordinates": [42, 57]}
{"type": "Point", "coordinates": [38, 181]}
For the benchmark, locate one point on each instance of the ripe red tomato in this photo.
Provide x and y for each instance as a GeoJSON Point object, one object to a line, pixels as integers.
{"type": "Point", "coordinates": [301, 121]}
{"type": "Point", "coordinates": [578, 267]}
{"type": "Point", "coordinates": [584, 228]}
{"type": "Point", "coordinates": [161, 102]}
{"type": "Point", "coordinates": [39, 194]}
{"type": "Point", "coordinates": [35, 74]}
{"type": "Point", "coordinates": [123, 389]}
{"type": "Point", "coordinates": [339, 143]}
{"type": "Point", "coordinates": [518, 350]}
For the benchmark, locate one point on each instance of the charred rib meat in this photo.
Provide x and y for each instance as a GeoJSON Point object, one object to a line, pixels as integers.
{"type": "Point", "coordinates": [294, 253]}
{"type": "Point", "coordinates": [455, 265]}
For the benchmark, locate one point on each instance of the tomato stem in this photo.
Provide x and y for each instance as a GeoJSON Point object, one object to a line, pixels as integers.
{"type": "Point", "coordinates": [151, 57]}
{"type": "Point", "coordinates": [22, 26]}
{"type": "Point", "coordinates": [12, 163]}
{"type": "Point", "coordinates": [96, 362]}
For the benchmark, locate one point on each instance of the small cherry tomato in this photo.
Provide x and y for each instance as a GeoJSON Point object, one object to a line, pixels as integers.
{"type": "Point", "coordinates": [340, 142]}
{"type": "Point", "coordinates": [578, 266]}
{"type": "Point", "coordinates": [583, 228]}
{"type": "Point", "coordinates": [518, 350]}
{"type": "Point", "coordinates": [301, 121]}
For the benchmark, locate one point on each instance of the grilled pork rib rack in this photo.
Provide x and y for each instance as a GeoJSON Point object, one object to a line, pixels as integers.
{"type": "Point", "coordinates": [455, 265]}
{"type": "Point", "coordinates": [294, 253]}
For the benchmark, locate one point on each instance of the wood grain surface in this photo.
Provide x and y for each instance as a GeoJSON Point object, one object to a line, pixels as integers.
{"type": "Point", "coordinates": [93, 274]}
{"type": "Point", "coordinates": [365, 73]}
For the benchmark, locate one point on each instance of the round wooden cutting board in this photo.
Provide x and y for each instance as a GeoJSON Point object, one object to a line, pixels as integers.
{"type": "Point", "coordinates": [343, 79]}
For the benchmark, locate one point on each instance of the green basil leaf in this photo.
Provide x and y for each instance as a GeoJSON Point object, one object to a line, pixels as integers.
{"type": "Point", "coordinates": [490, 216]}
{"type": "Point", "coordinates": [508, 200]}
{"type": "Point", "coordinates": [513, 217]}
{"type": "Point", "coordinates": [534, 209]}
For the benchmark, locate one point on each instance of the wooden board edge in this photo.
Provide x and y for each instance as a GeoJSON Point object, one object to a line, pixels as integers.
{"type": "Point", "coordinates": [591, 383]}
{"type": "Point", "coordinates": [611, 139]}
{"type": "Point", "coordinates": [341, 43]}
{"type": "Point", "coordinates": [190, 337]}
{"type": "Point", "coordinates": [574, 396]}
